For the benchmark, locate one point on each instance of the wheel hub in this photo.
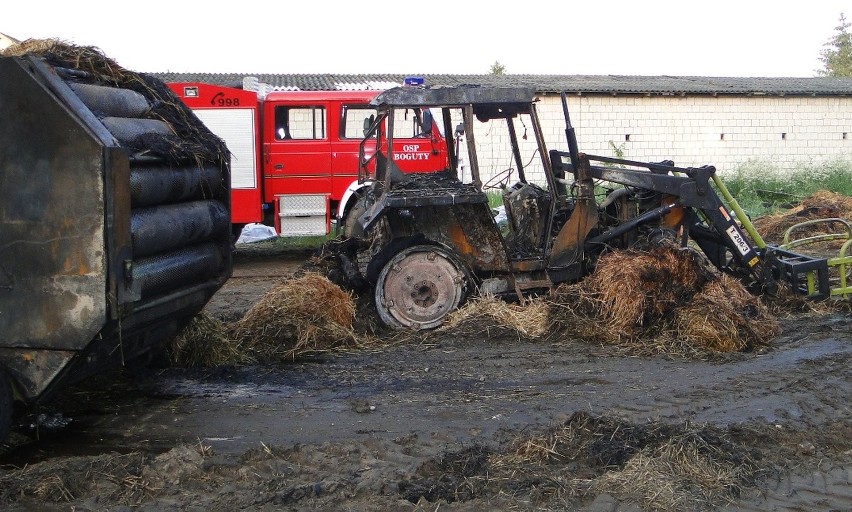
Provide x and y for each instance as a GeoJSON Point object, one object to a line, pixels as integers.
{"type": "Point", "coordinates": [418, 288]}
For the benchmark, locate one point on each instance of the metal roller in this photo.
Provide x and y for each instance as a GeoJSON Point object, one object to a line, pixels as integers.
{"type": "Point", "coordinates": [128, 130]}
{"type": "Point", "coordinates": [162, 228]}
{"type": "Point", "coordinates": [157, 184]}
{"type": "Point", "coordinates": [178, 269]}
{"type": "Point", "coordinates": [110, 101]}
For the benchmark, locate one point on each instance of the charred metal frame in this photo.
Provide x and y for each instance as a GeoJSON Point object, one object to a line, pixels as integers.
{"type": "Point", "coordinates": [571, 233]}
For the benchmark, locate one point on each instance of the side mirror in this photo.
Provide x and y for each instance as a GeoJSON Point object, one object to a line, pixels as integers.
{"type": "Point", "coordinates": [459, 130]}
{"type": "Point", "coordinates": [368, 122]}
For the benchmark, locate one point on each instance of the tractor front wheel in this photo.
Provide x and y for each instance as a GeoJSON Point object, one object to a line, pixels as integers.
{"type": "Point", "coordinates": [351, 227]}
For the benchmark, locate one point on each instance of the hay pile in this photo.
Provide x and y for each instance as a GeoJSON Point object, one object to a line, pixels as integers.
{"type": "Point", "coordinates": [205, 343]}
{"type": "Point", "coordinates": [654, 465]}
{"type": "Point", "coordinates": [114, 478]}
{"type": "Point", "coordinates": [819, 205]}
{"type": "Point", "coordinates": [684, 473]}
{"type": "Point", "coordinates": [530, 319]}
{"type": "Point", "coordinates": [665, 300]}
{"type": "Point", "coordinates": [659, 466]}
{"type": "Point", "coordinates": [662, 299]}
{"type": "Point", "coordinates": [301, 316]}
{"type": "Point", "coordinates": [109, 480]}
{"type": "Point", "coordinates": [308, 314]}
{"type": "Point", "coordinates": [725, 317]}
{"type": "Point", "coordinates": [60, 53]}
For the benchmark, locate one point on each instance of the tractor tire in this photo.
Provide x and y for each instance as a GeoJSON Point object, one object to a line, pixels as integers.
{"type": "Point", "coordinates": [419, 287]}
{"type": "Point", "coordinates": [351, 227]}
{"type": "Point", "coordinates": [6, 405]}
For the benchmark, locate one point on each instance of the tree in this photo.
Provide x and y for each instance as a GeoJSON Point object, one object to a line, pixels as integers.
{"type": "Point", "coordinates": [837, 54]}
{"type": "Point", "coordinates": [497, 68]}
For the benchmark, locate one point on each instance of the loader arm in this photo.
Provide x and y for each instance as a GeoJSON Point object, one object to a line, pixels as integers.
{"type": "Point", "coordinates": [718, 227]}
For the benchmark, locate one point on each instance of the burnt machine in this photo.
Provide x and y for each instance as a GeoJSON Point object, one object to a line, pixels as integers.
{"type": "Point", "coordinates": [433, 239]}
{"type": "Point", "coordinates": [114, 219]}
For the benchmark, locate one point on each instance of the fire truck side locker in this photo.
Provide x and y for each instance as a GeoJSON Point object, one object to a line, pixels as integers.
{"type": "Point", "coordinates": [234, 116]}
{"type": "Point", "coordinates": [303, 214]}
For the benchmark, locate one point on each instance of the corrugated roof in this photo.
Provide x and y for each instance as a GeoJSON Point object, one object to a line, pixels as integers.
{"type": "Point", "coordinates": [578, 84]}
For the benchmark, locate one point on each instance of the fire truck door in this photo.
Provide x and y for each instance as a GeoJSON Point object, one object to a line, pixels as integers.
{"type": "Point", "coordinates": [298, 158]}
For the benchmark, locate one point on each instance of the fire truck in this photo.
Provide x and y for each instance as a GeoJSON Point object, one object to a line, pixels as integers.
{"type": "Point", "coordinates": [294, 154]}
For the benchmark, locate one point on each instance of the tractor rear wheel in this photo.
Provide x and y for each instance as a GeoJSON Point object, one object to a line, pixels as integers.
{"type": "Point", "coordinates": [419, 287]}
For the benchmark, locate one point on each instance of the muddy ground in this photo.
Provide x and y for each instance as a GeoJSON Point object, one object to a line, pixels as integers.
{"type": "Point", "coordinates": [480, 421]}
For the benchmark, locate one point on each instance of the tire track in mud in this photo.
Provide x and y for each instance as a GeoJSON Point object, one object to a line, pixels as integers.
{"type": "Point", "coordinates": [805, 385]}
{"type": "Point", "coordinates": [826, 488]}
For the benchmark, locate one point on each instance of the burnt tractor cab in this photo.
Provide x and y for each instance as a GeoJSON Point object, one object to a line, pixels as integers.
{"type": "Point", "coordinates": [432, 239]}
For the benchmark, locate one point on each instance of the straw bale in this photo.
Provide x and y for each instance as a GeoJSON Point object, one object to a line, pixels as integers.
{"type": "Point", "coordinates": [630, 290]}
{"type": "Point", "coordinates": [529, 319]}
{"type": "Point", "coordinates": [305, 314]}
{"type": "Point", "coordinates": [58, 52]}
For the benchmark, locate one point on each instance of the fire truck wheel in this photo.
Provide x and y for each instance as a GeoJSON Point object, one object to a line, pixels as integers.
{"type": "Point", "coordinates": [351, 227]}
{"type": "Point", "coordinates": [6, 404]}
{"type": "Point", "coordinates": [419, 287]}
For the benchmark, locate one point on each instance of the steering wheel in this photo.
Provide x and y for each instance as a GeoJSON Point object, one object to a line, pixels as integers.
{"type": "Point", "coordinates": [499, 180]}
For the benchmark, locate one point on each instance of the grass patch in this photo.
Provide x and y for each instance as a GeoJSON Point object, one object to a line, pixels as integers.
{"type": "Point", "coordinates": [495, 199]}
{"type": "Point", "coordinates": [762, 188]}
{"type": "Point", "coordinates": [284, 244]}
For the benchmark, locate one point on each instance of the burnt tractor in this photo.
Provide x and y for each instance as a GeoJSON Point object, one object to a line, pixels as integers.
{"type": "Point", "coordinates": [432, 240]}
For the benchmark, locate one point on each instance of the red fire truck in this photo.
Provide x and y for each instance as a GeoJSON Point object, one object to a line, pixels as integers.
{"type": "Point", "coordinates": [294, 161]}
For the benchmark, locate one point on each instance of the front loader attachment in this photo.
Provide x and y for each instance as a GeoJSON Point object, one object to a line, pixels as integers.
{"type": "Point", "coordinates": [816, 278]}
{"type": "Point", "coordinates": [708, 217]}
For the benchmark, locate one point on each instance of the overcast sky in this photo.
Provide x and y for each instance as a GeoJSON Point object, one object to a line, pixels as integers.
{"type": "Point", "coordinates": [650, 37]}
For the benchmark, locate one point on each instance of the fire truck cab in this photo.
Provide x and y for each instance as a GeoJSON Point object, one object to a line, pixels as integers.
{"type": "Point", "coordinates": [295, 153]}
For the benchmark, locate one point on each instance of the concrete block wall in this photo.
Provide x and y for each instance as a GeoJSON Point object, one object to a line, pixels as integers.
{"type": "Point", "coordinates": [724, 131]}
